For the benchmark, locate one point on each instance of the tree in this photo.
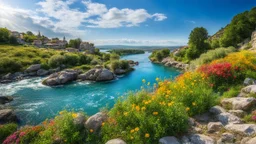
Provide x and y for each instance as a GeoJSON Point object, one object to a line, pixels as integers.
{"type": "Point", "coordinates": [13, 40]}
{"type": "Point", "coordinates": [30, 33]}
{"type": "Point", "coordinates": [4, 35]}
{"type": "Point", "coordinates": [75, 43]}
{"type": "Point", "coordinates": [197, 43]}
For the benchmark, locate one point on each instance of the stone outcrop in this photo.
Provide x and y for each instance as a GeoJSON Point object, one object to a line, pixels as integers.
{"type": "Point", "coordinates": [251, 141]}
{"type": "Point", "coordinates": [95, 121]}
{"type": "Point", "coordinates": [214, 126]}
{"type": "Point", "coordinates": [5, 99]}
{"type": "Point", "coordinates": [201, 139]}
{"type": "Point", "coordinates": [116, 141]}
{"type": "Point", "coordinates": [249, 81]}
{"type": "Point", "coordinates": [253, 39]}
{"type": "Point", "coordinates": [97, 74]}
{"type": "Point", "coordinates": [217, 110]}
{"type": "Point", "coordinates": [226, 138]}
{"type": "Point", "coordinates": [42, 72]}
{"type": "Point", "coordinates": [239, 103]}
{"type": "Point", "coordinates": [228, 118]}
{"type": "Point", "coordinates": [172, 63]}
{"type": "Point", "coordinates": [33, 68]}
{"type": "Point", "coordinates": [61, 78]}
{"type": "Point", "coordinates": [251, 89]}
{"type": "Point", "coordinates": [7, 115]}
{"type": "Point", "coordinates": [246, 129]}
{"type": "Point", "coordinates": [169, 140]}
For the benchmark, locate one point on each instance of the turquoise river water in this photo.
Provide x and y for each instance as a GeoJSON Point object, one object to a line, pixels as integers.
{"type": "Point", "coordinates": [34, 102]}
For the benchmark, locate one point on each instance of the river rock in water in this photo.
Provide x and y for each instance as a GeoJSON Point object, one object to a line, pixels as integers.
{"type": "Point", "coordinates": [97, 74]}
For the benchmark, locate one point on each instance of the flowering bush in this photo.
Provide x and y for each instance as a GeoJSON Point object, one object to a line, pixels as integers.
{"type": "Point", "coordinates": [6, 130]}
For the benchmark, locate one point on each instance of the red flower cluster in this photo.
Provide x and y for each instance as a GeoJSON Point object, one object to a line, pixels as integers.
{"type": "Point", "coordinates": [221, 70]}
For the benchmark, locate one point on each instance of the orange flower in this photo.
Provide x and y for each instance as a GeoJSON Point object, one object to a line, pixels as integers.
{"type": "Point", "coordinates": [91, 130]}
{"type": "Point", "coordinates": [102, 124]}
{"type": "Point", "coordinates": [137, 108]}
{"type": "Point", "coordinates": [155, 113]}
{"type": "Point", "coordinates": [132, 131]}
{"type": "Point", "coordinates": [147, 135]}
{"type": "Point", "coordinates": [137, 129]}
{"type": "Point", "coordinates": [187, 109]}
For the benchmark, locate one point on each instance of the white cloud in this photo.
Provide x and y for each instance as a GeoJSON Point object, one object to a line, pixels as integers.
{"type": "Point", "coordinates": [190, 21]}
{"type": "Point", "coordinates": [57, 16]}
{"type": "Point", "coordinates": [124, 41]}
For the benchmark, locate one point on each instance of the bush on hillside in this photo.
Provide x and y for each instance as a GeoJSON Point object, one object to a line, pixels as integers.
{"type": "Point", "coordinates": [6, 130]}
{"type": "Point", "coordinates": [114, 56]}
{"type": "Point", "coordinates": [9, 65]}
{"type": "Point", "coordinates": [159, 55]}
{"type": "Point", "coordinates": [121, 64]}
{"type": "Point", "coordinates": [71, 59]}
{"type": "Point", "coordinates": [56, 61]}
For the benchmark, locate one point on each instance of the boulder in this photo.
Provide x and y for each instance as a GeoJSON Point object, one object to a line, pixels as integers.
{"type": "Point", "coordinates": [191, 122]}
{"type": "Point", "coordinates": [238, 113]}
{"type": "Point", "coordinates": [169, 140]}
{"type": "Point", "coordinates": [228, 118]}
{"type": "Point", "coordinates": [32, 73]}
{"type": "Point", "coordinates": [79, 120]}
{"type": "Point", "coordinates": [5, 99]}
{"type": "Point", "coordinates": [251, 141]}
{"type": "Point", "coordinates": [95, 121]}
{"type": "Point", "coordinates": [214, 126]}
{"type": "Point", "coordinates": [33, 68]}
{"type": "Point", "coordinates": [246, 129]}
{"type": "Point", "coordinates": [54, 70]}
{"type": "Point", "coordinates": [97, 75]}
{"type": "Point", "coordinates": [217, 110]}
{"type": "Point", "coordinates": [120, 71]}
{"type": "Point", "coordinates": [7, 115]}
{"type": "Point", "coordinates": [249, 81]}
{"type": "Point", "coordinates": [251, 89]}
{"type": "Point", "coordinates": [203, 117]}
{"type": "Point", "coordinates": [185, 140]}
{"type": "Point", "coordinates": [42, 72]}
{"type": "Point", "coordinates": [116, 141]}
{"type": "Point", "coordinates": [226, 138]}
{"type": "Point", "coordinates": [60, 78]}
{"type": "Point", "coordinates": [8, 76]}
{"type": "Point", "coordinates": [201, 139]}
{"type": "Point", "coordinates": [239, 103]}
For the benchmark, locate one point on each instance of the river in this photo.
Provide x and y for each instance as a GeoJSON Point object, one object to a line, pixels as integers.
{"type": "Point", "coordinates": [34, 102]}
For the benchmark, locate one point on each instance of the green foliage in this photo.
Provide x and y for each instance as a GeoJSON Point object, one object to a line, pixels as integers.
{"type": "Point", "coordinates": [127, 51]}
{"type": "Point", "coordinates": [240, 28]}
{"type": "Point", "coordinates": [212, 55]}
{"type": "Point", "coordinates": [75, 43]}
{"type": "Point", "coordinates": [232, 92]}
{"type": "Point", "coordinates": [215, 43]}
{"type": "Point", "coordinates": [13, 40]}
{"type": "Point", "coordinates": [71, 59]}
{"type": "Point", "coordinates": [114, 56]}
{"type": "Point", "coordinates": [159, 55]}
{"type": "Point", "coordinates": [119, 64]}
{"type": "Point", "coordinates": [56, 60]}
{"type": "Point", "coordinates": [6, 130]}
{"type": "Point", "coordinates": [106, 57]}
{"type": "Point", "coordinates": [9, 65]}
{"type": "Point", "coordinates": [4, 35]}
{"type": "Point", "coordinates": [29, 37]}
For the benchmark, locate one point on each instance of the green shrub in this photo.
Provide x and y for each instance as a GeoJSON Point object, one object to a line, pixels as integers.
{"type": "Point", "coordinates": [158, 55]}
{"type": "Point", "coordinates": [250, 74]}
{"type": "Point", "coordinates": [114, 56]}
{"type": "Point", "coordinates": [232, 92]}
{"type": "Point", "coordinates": [121, 64]}
{"type": "Point", "coordinates": [212, 55]}
{"type": "Point", "coordinates": [9, 65]}
{"type": "Point", "coordinates": [85, 59]}
{"type": "Point", "coordinates": [56, 60]}
{"type": "Point", "coordinates": [71, 59]}
{"type": "Point", "coordinates": [6, 130]}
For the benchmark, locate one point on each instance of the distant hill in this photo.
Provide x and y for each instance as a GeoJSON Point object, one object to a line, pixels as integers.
{"type": "Point", "coordinates": [146, 48]}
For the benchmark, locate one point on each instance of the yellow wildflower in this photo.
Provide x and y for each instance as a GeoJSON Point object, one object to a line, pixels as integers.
{"type": "Point", "coordinates": [155, 113]}
{"type": "Point", "coordinates": [91, 130]}
{"type": "Point", "coordinates": [132, 131]}
{"type": "Point", "coordinates": [193, 103]}
{"type": "Point", "coordinates": [148, 83]}
{"type": "Point", "coordinates": [74, 115]}
{"type": "Point", "coordinates": [125, 113]}
{"type": "Point", "coordinates": [132, 137]}
{"type": "Point", "coordinates": [61, 112]}
{"type": "Point", "coordinates": [157, 79]}
{"type": "Point", "coordinates": [144, 81]}
{"type": "Point", "coordinates": [137, 108]}
{"type": "Point", "coordinates": [187, 109]}
{"type": "Point", "coordinates": [137, 129]}
{"type": "Point", "coordinates": [147, 135]}
{"type": "Point", "coordinates": [143, 108]}
{"type": "Point", "coordinates": [102, 124]}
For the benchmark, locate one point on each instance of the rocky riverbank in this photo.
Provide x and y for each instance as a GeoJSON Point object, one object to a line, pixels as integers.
{"type": "Point", "coordinates": [169, 62]}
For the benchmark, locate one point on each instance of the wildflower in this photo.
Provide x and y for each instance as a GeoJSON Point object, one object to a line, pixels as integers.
{"type": "Point", "coordinates": [146, 102]}
{"type": "Point", "coordinates": [144, 81]}
{"type": "Point", "coordinates": [132, 131]}
{"type": "Point", "coordinates": [170, 104]}
{"type": "Point", "coordinates": [187, 109]}
{"type": "Point", "coordinates": [157, 79]}
{"type": "Point", "coordinates": [137, 129]}
{"type": "Point", "coordinates": [147, 135]}
{"type": "Point", "coordinates": [22, 134]}
{"type": "Point", "coordinates": [74, 115]}
{"type": "Point", "coordinates": [254, 117]}
{"type": "Point", "coordinates": [102, 124]}
{"type": "Point", "coordinates": [148, 83]}
{"type": "Point", "coordinates": [91, 130]}
{"type": "Point", "coordinates": [61, 112]}
{"type": "Point", "coordinates": [137, 108]}
{"type": "Point", "coordinates": [193, 103]}
{"type": "Point", "coordinates": [143, 108]}
{"type": "Point", "coordinates": [155, 113]}
{"type": "Point", "coordinates": [132, 137]}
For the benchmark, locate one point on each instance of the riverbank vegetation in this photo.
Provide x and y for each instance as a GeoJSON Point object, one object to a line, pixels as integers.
{"type": "Point", "coordinates": [159, 55]}
{"type": "Point", "coordinates": [122, 52]}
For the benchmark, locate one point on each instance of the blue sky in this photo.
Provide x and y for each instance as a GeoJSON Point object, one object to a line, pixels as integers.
{"type": "Point", "coordinates": [127, 22]}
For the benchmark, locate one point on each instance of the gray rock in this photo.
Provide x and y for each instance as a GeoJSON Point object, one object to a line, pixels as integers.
{"type": "Point", "coordinates": [60, 78]}
{"type": "Point", "coordinates": [42, 72]}
{"type": "Point", "coordinates": [120, 71]}
{"type": "Point", "coordinates": [79, 120]}
{"type": "Point", "coordinates": [5, 99]}
{"type": "Point", "coordinates": [8, 76]}
{"type": "Point", "coordinates": [116, 141]}
{"type": "Point", "coordinates": [217, 110]}
{"type": "Point", "coordinates": [244, 140]}
{"type": "Point", "coordinates": [251, 141]}
{"type": "Point", "coordinates": [214, 126]}
{"type": "Point", "coordinates": [201, 139]}
{"type": "Point", "coordinates": [97, 75]}
{"type": "Point", "coordinates": [169, 140]}
{"type": "Point", "coordinates": [249, 81]}
{"type": "Point", "coordinates": [238, 113]}
{"type": "Point", "coordinates": [227, 138]}
{"type": "Point", "coordinates": [95, 121]}
{"type": "Point", "coordinates": [246, 129]}
{"type": "Point", "coordinates": [191, 122]}
{"type": "Point", "coordinates": [249, 89]}
{"type": "Point", "coordinates": [203, 117]}
{"type": "Point", "coordinates": [32, 73]}
{"type": "Point", "coordinates": [7, 115]}
{"type": "Point", "coordinates": [51, 71]}
{"type": "Point", "coordinates": [239, 103]}
{"type": "Point", "coordinates": [185, 140]}
{"type": "Point", "coordinates": [33, 68]}
{"type": "Point", "coordinates": [228, 118]}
